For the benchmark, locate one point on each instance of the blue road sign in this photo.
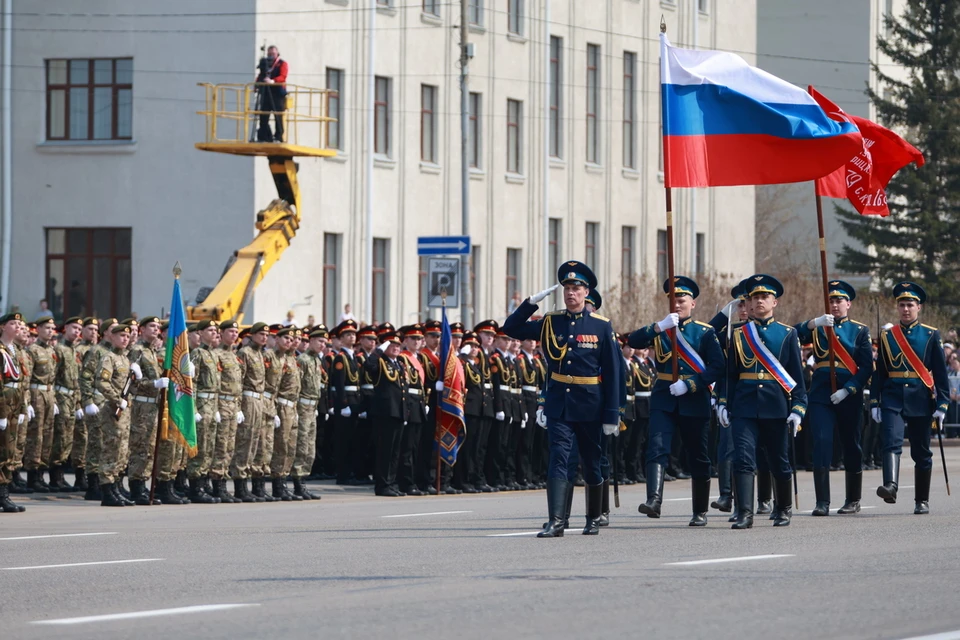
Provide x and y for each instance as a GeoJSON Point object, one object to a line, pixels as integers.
{"type": "Point", "coordinates": [443, 245]}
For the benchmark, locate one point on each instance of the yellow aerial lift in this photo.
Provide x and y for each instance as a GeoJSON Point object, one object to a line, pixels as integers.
{"type": "Point", "coordinates": [230, 125]}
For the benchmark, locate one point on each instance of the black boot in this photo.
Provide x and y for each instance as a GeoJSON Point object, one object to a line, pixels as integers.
{"type": "Point", "coordinates": [725, 481]}
{"type": "Point", "coordinates": [277, 484]}
{"type": "Point", "coordinates": [93, 488]}
{"type": "Point", "coordinates": [604, 519]}
{"type": "Point", "coordinates": [821, 484]}
{"type": "Point", "coordinates": [854, 489]}
{"type": "Point", "coordinates": [285, 490]}
{"type": "Point", "coordinates": [922, 491]}
{"type": "Point", "coordinates": [784, 494]}
{"type": "Point", "coordinates": [35, 482]}
{"type": "Point", "coordinates": [18, 485]}
{"type": "Point", "coordinates": [80, 480]}
{"type": "Point", "coordinates": [109, 496]}
{"type": "Point", "coordinates": [180, 484]}
{"type": "Point", "coordinates": [594, 496]}
{"type": "Point", "coordinates": [242, 491]}
{"type": "Point", "coordinates": [166, 493]}
{"type": "Point", "coordinates": [198, 495]}
{"type": "Point", "coordinates": [5, 504]}
{"type": "Point", "coordinates": [138, 493]}
{"type": "Point", "coordinates": [700, 488]}
{"type": "Point", "coordinates": [568, 507]}
{"type": "Point", "coordinates": [764, 490]}
{"type": "Point", "coordinates": [59, 484]}
{"type": "Point", "coordinates": [300, 489]}
{"type": "Point", "coordinates": [267, 495]}
{"type": "Point", "coordinates": [556, 508]}
{"type": "Point", "coordinates": [122, 494]}
{"type": "Point", "coordinates": [744, 486]}
{"type": "Point", "coordinates": [891, 478]}
{"type": "Point", "coordinates": [651, 508]}
{"type": "Point", "coordinates": [223, 493]}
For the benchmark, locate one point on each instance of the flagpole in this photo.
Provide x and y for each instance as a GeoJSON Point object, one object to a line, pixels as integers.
{"type": "Point", "coordinates": [440, 374]}
{"type": "Point", "coordinates": [671, 295]}
{"type": "Point", "coordinates": [161, 406]}
{"type": "Point", "coordinates": [831, 334]}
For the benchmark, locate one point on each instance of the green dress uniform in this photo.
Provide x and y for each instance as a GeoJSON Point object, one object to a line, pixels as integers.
{"type": "Point", "coordinates": [39, 443]}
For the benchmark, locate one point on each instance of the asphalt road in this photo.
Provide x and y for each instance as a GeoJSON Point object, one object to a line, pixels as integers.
{"type": "Point", "coordinates": [357, 566]}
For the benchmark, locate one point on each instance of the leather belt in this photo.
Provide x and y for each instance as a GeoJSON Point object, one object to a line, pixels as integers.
{"type": "Point", "coordinates": [487, 385]}
{"type": "Point", "coordinates": [530, 388]}
{"type": "Point", "coordinates": [413, 392]}
{"type": "Point", "coordinates": [40, 387]}
{"type": "Point", "coordinates": [228, 398]}
{"type": "Point", "coordinates": [308, 402]}
{"type": "Point", "coordinates": [351, 388]}
{"type": "Point", "coordinates": [252, 394]}
{"type": "Point", "coordinates": [642, 394]}
{"type": "Point", "coordinates": [912, 375]}
{"type": "Point", "coordinates": [206, 395]}
{"type": "Point", "coordinates": [515, 391]}
{"type": "Point", "coordinates": [63, 389]}
{"type": "Point", "coordinates": [268, 395]}
{"type": "Point", "coordinates": [761, 375]}
{"type": "Point", "coordinates": [286, 403]}
{"type": "Point", "coordinates": [145, 399]}
{"type": "Point", "coordinates": [668, 377]}
{"type": "Point", "coordinates": [821, 365]}
{"type": "Point", "coordinates": [12, 385]}
{"type": "Point", "coordinates": [367, 387]}
{"type": "Point", "coordinates": [504, 387]}
{"type": "Point", "coordinates": [564, 378]}
{"type": "Point", "coordinates": [631, 399]}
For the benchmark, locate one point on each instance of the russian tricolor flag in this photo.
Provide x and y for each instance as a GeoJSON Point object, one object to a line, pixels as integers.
{"type": "Point", "coordinates": [726, 123]}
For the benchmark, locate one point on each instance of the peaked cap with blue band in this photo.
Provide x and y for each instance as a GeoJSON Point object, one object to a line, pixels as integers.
{"type": "Point", "coordinates": [594, 298]}
{"type": "Point", "coordinates": [910, 291]}
{"type": "Point", "coordinates": [682, 286]}
{"type": "Point", "coordinates": [575, 272]}
{"type": "Point", "coordinates": [762, 283]}
{"type": "Point", "coordinates": [739, 291]}
{"type": "Point", "coordinates": [841, 289]}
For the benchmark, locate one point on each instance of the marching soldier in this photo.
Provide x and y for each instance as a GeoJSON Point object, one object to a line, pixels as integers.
{"type": "Point", "coordinates": [228, 406]}
{"type": "Point", "coordinates": [93, 401]}
{"type": "Point", "coordinates": [288, 395]}
{"type": "Point", "coordinates": [417, 409]}
{"type": "Point", "coordinates": [836, 398]}
{"type": "Point", "coordinates": [206, 382]}
{"type": "Point", "coordinates": [766, 398]}
{"type": "Point", "coordinates": [67, 390]}
{"type": "Point", "coordinates": [580, 405]}
{"type": "Point", "coordinates": [89, 335]}
{"type": "Point", "coordinates": [388, 409]}
{"type": "Point", "coordinates": [12, 401]}
{"type": "Point", "coordinates": [250, 416]}
{"type": "Point", "coordinates": [43, 406]}
{"type": "Point", "coordinates": [110, 379]}
{"type": "Point", "coordinates": [311, 406]}
{"type": "Point", "coordinates": [682, 405]}
{"type": "Point", "coordinates": [909, 393]}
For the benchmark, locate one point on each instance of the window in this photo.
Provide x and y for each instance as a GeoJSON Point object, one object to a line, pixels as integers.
{"type": "Point", "coordinates": [553, 250]}
{"type": "Point", "coordinates": [90, 99]}
{"type": "Point", "coordinates": [629, 110]}
{"type": "Point", "coordinates": [515, 17]}
{"type": "Point", "coordinates": [513, 277]}
{"type": "Point", "coordinates": [703, 6]}
{"type": "Point", "coordinates": [701, 253]}
{"type": "Point", "coordinates": [888, 19]}
{"type": "Point", "coordinates": [381, 279]}
{"type": "Point", "coordinates": [514, 136]}
{"type": "Point", "coordinates": [331, 278]}
{"type": "Point", "coordinates": [384, 3]}
{"type": "Point", "coordinates": [432, 7]}
{"type": "Point", "coordinates": [381, 117]}
{"type": "Point", "coordinates": [475, 12]}
{"type": "Point", "coordinates": [628, 239]}
{"type": "Point", "coordinates": [423, 288]}
{"type": "Point", "coordinates": [474, 129]}
{"type": "Point", "coordinates": [661, 255]}
{"type": "Point", "coordinates": [88, 272]}
{"type": "Point", "coordinates": [593, 103]}
{"type": "Point", "coordinates": [556, 96]}
{"type": "Point", "coordinates": [334, 107]}
{"type": "Point", "coordinates": [592, 238]}
{"type": "Point", "coordinates": [428, 123]}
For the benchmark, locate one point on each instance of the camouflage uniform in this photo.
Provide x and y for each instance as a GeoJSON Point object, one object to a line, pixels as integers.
{"type": "Point", "coordinates": [231, 384]}
{"type": "Point", "coordinates": [10, 407]}
{"type": "Point", "coordinates": [144, 412]}
{"type": "Point", "coordinates": [79, 452]}
{"type": "Point", "coordinates": [89, 394]}
{"type": "Point", "coordinates": [67, 390]}
{"type": "Point", "coordinates": [248, 432]}
{"type": "Point", "coordinates": [313, 380]}
{"type": "Point", "coordinates": [20, 428]}
{"type": "Point", "coordinates": [110, 378]}
{"type": "Point", "coordinates": [206, 380]}
{"type": "Point", "coordinates": [39, 445]}
{"type": "Point", "coordinates": [273, 370]}
{"type": "Point", "coordinates": [288, 395]}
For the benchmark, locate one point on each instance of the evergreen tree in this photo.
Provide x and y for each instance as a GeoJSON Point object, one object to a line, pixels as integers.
{"type": "Point", "coordinates": [920, 241]}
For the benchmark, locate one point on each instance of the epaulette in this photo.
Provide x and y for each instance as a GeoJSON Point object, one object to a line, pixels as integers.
{"type": "Point", "coordinates": [555, 313]}
{"type": "Point", "coordinates": [703, 324]}
{"type": "Point", "coordinates": [859, 324]}
{"type": "Point", "coordinates": [786, 326]}
{"type": "Point", "coordinates": [926, 326]}
{"type": "Point", "coordinates": [599, 317]}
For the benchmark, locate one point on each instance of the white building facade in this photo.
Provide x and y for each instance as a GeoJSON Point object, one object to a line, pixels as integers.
{"type": "Point", "coordinates": [564, 150]}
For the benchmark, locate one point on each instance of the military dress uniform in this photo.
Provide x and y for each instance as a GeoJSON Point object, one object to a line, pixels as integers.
{"type": "Point", "coordinates": [909, 394]}
{"type": "Point", "coordinates": [426, 456]}
{"type": "Point", "coordinates": [206, 385]}
{"type": "Point", "coordinates": [528, 375]}
{"type": "Point", "coordinates": [21, 423]}
{"type": "Point", "coordinates": [249, 429]}
{"type": "Point", "coordinates": [347, 406]}
{"type": "Point", "coordinates": [629, 417]}
{"type": "Point", "coordinates": [67, 392]}
{"type": "Point", "coordinates": [389, 411]}
{"type": "Point", "coordinates": [110, 379]}
{"type": "Point", "coordinates": [479, 440]}
{"type": "Point", "coordinates": [582, 395]}
{"type": "Point", "coordinates": [684, 407]}
{"type": "Point", "coordinates": [228, 404]}
{"type": "Point", "coordinates": [501, 376]}
{"type": "Point", "coordinates": [838, 408]}
{"type": "Point", "coordinates": [473, 398]}
{"type": "Point", "coordinates": [311, 406]}
{"type": "Point", "coordinates": [765, 394]}
{"type": "Point", "coordinates": [416, 400]}
{"type": "Point", "coordinates": [43, 406]}
{"type": "Point", "coordinates": [11, 401]}
{"type": "Point", "coordinates": [285, 438]}
{"type": "Point", "coordinates": [93, 402]}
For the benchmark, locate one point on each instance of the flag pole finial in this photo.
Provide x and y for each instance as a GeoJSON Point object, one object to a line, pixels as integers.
{"type": "Point", "coordinates": [177, 270]}
{"type": "Point", "coordinates": [663, 24]}
{"type": "Point", "coordinates": [443, 296]}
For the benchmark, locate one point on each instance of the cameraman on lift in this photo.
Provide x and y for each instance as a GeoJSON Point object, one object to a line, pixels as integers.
{"type": "Point", "coordinates": [273, 94]}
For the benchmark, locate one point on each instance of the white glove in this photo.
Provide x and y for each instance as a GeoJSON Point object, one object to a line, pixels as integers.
{"type": "Point", "coordinates": [21, 418]}
{"type": "Point", "coordinates": [679, 388]}
{"type": "Point", "coordinates": [465, 350]}
{"type": "Point", "coordinates": [276, 422]}
{"type": "Point", "coordinates": [541, 418]}
{"type": "Point", "coordinates": [611, 429]}
{"type": "Point", "coordinates": [123, 403]}
{"type": "Point", "coordinates": [500, 416]}
{"type": "Point", "coordinates": [191, 369]}
{"type": "Point", "coordinates": [197, 417]}
{"type": "Point", "coordinates": [939, 416]}
{"type": "Point", "coordinates": [730, 308]}
{"type": "Point", "coordinates": [537, 297]}
{"type": "Point", "coordinates": [713, 401]}
{"type": "Point", "coordinates": [723, 416]}
{"type": "Point", "coordinates": [383, 346]}
{"type": "Point", "coordinates": [31, 413]}
{"type": "Point", "coordinates": [439, 385]}
{"type": "Point", "coordinates": [427, 410]}
{"type": "Point", "coordinates": [345, 412]}
{"type": "Point", "coordinates": [3, 424]}
{"type": "Point", "coordinates": [826, 320]}
{"type": "Point", "coordinates": [875, 414]}
{"type": "Point", "coordinates": [91, 409]}
{"type": "Point", "coordinates": [793, 421]}
{"type": "Point", "coordinates": [217, 417]}
{"type": "Point", "coordinates": [839, 396]}
{"type": "Point", "coordinates": [326, 417]}
{"type": "Point", "coordinates": [80, 414]}
{"type": "Point", "coordinates": [669, 322]}
{"type": "Point", "coordinates": [363, 416]}
{"type": "Point", "coordinates": [240, 417]}
{"type": "Point", "coordinates": [135, 370]}
{"type": "Point", "coordinates": [523, 424]}
{"type": "Point", "coordinates": [56, 410]}
{"type": "Point", "coordinates": [330, 411]}
{"type": "Point", "coordinates": [161, 383]}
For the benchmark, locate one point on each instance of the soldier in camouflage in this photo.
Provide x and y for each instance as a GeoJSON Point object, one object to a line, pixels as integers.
{"type": "Point", "coordinates": [67, 390]}
{"type": "Point", "coordinates": [231, 385]}
{"type": "Point", "coordinates": [313, 381]}
{"type": "Point", "coordinates": [22, 341]}
{"type": "Point", "coordinates": [263, 456]}
{"type": "Point", "coordinates": [110, 378]}
{"type": "Point", "coordinates": [89, 334]}
{"type": "Point", "coordinates": [42, 407]}
{"type": "Point", "coordinates": [206, 381]}
{"type": "Point", "coordinates": [288, 395]}
{"type": "Point", "coordinates": [10, 402]}
{"type": "Point", "coordinates": [250, 417]}
{"type": "Point", "coordinates": [92, 401]}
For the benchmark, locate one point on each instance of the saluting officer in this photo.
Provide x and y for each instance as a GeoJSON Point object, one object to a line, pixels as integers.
{"type": "Point", "coordinates": [388, 410]}
{"type": "Point", "coordinates": [682, 405]}
{"type": "Point", "coordinates": [836, 398]}
{"type": "Point", "coordinates": [909, 392]}
{"type": "Point", "coordinates": [766, 398]}
{"type": "Point", "coordinates": [582, 398]}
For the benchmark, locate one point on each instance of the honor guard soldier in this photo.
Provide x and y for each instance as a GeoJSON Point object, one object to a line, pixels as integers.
{"type": "Point", "coordinates": [528, 371]}
{"type": "Point", "coordinates": [42, 407]}
{"type": "Point", "coordinates": [766, 398]}
{"type": "Point", "coordinates": [206, 381]}
{"type": "Point", "coordinates": [67, 390]}
{"type": "Point", "coordinates": [388, 409]}
{"type": "Point", "coordinates": [250, 417]}
{"type": "Point", "coordinates": [346, 401]}
{"type": "Point", "coordinates": [836, 394]}
{"type": "Point", "coordinates": [417, 409]}
{"type": "Point", "coordinates": [426, 457]}
{"type": "Point", "coordinates": [582, 398]}
{"type": "Point", "coordinates": [228, 406]}
{"type": "Point", "coordinates": [485, 332]}
{"type": "Point", "coordinates": [311, 406]}
{"type": "Point", "coordinates": [909, 394]}
{"type": "Point", "coordinates": [473, 400]}
{"type": "Point", "coordinates": [501, 375]}
{"type": "Point", "coordinates": [682, 405]}
{"type": "Point", "coordinates": [110, 380]}
{"type": "Point", "coordinates": [10, 406]}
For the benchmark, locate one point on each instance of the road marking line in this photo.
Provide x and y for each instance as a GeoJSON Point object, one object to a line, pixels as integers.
{"type": "Point", "coordinates": [692, 563]}
{"type": "Point", "coordinates": [63, 535]}
{"type": "Point", "coordinates": [81, 564]}
{"type": "Point", "coordinates": [510, 535]}
{"type": "Point", "coordinates": [432, 513]}
{"type": "Point", "coordinates": [946, 635]}
{"type": "Point", "coordinates": [144, 614]}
